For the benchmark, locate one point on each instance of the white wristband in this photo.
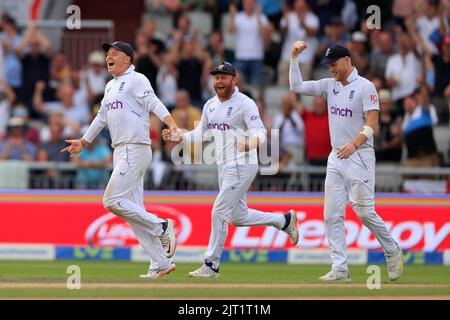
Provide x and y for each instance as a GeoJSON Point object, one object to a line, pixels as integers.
{"type": "Point", "coordinates": [367, 131]}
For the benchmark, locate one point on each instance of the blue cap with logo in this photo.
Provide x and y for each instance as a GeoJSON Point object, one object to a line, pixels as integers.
{"type": "Point", "coordinates": [225, 68]}
{"type": "Point", "coordinates": [334, 53]}
{"type": "Point", "coordinates": [120, 45]}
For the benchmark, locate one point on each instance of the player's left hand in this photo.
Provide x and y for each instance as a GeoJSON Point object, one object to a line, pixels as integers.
{"type": "Point", "coordinates": [242, 146]}
{"type": "Point", "coordinates": [346, 151]}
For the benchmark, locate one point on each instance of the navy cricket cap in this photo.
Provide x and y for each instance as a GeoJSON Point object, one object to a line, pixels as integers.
{"type": "Point", "coordinates": [224, 67]}
{"type": "Point", "coordinates": [334, 53]}
{"type": "Point", "coordinates": [120, 45]}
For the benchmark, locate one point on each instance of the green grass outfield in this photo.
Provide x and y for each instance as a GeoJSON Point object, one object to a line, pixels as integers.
{"type": "Point", "coordinates": [120, 280]}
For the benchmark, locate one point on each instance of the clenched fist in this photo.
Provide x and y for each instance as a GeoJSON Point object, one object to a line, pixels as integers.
{"type": "Point", "coordinates": [297, 48]}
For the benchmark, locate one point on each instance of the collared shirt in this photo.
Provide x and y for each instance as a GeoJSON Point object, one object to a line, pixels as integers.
{"type": "Point", "coordinates": [227, 122]}
{"type": "Point", "coordinates": [346, 104]}
{"type": "Point", "coordinates": [125, 108]}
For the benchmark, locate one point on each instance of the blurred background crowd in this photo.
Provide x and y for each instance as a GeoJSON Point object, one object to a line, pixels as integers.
{"type": "Point", "coordinates": [45, 99]}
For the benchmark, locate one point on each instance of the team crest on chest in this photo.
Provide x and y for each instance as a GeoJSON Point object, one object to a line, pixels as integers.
{"type": "Point", "coordinates": [230, 109]}
{"type": "Point", "coordinates": [352, 93]}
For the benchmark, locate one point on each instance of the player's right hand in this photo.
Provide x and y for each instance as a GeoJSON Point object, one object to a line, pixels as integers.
{"type": "Point", "coordinates": [74, 148]}
{"type": "Point", "coordinates": [297, 48]}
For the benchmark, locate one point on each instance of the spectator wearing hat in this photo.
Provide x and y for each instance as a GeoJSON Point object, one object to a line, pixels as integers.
{"type": "Point", "coordinates": [357, 47]}
{"type": "Point", "coordinates": [31, 131]}
{"type": "Point", "coordinates": [92, 79]}
{"type": "Point", "coordinates": [15, 146]}
{"type": "Point", "coordinates": [388, 141]}
{"type": "Point", "coordinates": [10, 39]}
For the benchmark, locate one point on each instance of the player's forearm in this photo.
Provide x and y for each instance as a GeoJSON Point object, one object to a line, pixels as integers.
{"type": "Point", "coordinates": [94, 129]}
{"type": "Point", "coordinates": [160, 110]}
{"type": "Point", "coordinates": [169, 121]}
{"type": "Point", "coordinates": [296, 82]}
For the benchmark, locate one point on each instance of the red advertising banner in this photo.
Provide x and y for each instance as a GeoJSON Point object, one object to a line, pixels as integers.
{"type": "Point", "coordinates": [417, 224]}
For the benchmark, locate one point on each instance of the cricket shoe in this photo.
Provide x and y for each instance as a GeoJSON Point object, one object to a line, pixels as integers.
{"type": "Point", "coordinates": [204, 272]}
{"type": "Point", "coordinates": [335, 275]}
{"type": "Point", "coordinates": [155, 274]}
{"type": "Point", "coordinates": [395, 265]}
{"type": "Point", "coordinates": [291, 226]}
{"type": "Point", "coordinates": [168, 240]}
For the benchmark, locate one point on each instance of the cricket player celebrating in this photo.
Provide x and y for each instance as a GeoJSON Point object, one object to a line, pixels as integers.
{"type": "Point", "coordinates": [233, 120]}
{"type": "Point", "coordinates": [125, 108]}
{"type": "Point", "coordinates": [353, 117]}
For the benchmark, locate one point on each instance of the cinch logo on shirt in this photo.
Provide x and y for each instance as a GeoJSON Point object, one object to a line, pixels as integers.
{"type": "Point", "coordinates": [114, 105]}
{"type": "Point", "coordinates": [218, 126]}
{"type": "Point", "coordinates": [341, 112]}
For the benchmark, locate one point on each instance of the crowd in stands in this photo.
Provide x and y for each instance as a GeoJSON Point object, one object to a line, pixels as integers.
{"type": "Point", "coordinates": [44, 99]}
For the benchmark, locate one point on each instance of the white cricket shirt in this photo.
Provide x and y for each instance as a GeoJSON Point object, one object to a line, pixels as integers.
{"type": "Point", "coordinates": [125, 108]}
{"type": "Point", "coordinates": [346, 104]}
{"type": "Point", "coordinates": [225, 123]}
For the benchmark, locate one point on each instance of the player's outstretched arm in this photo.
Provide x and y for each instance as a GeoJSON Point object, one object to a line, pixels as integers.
{"type": "Point", "coordinates": [296, 82]}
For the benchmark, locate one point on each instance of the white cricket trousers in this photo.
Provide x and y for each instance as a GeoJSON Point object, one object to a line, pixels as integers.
{"type": "Point", "coordinates": [231, 206]}
{"type": "Point", "coordinates": [353, 180]}
{"type": "Point", "coordinates": [124, 196]}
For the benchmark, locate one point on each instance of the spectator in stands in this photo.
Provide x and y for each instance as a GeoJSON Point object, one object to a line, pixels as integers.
{"type": "Point", "coordinates": [388, 141]}
{"type": "Point", "coordinates": [299, 24]}
{"type": "Point", "coordinates": [402, 71]}
{"type": "Point", "coordinates": [7, 97]}
{"type": "Point", "coordinates": [148, 59]}
{"type": "Point", "coordinates": [178, 8]}
{"type": "Point", "coordinates": [425, 23]}
{"type": "Point", "coordinates": [35, 63]}
{"type": "Point", "coordinates": [66, 103]}
{"type": "Point", "coordinates": [51, 152]}
{"type": "Point", "coordinates": [401, 9]}
{"type": "Point", "coordinates": [71, 128]}
{"type": "Point", "coordinates": [187, 117]}
{"type": "Point", "coordinates": [216, 48]}
{"type": "Point", "coordinates": [93, 162]}
{"type": "Point", "coordinates": [242, 85]}
{"type": "Point", "coordinates": [252, 35]}
{"type": "Point", "coordinates": [440, 64]}
{"type": "Point", "coordinates": [9, 40]}
{"type": "Point", "coordinates": [183, 31]}
{"type": "Point", "coordinates": [15, 147]}
{"type": "Point", "coordinates": [92, 80]}
{"type": "Point", "coordinates": [150, 32]}
{"type": "Point", "coordinates": [273, 9]}
{"type": "Point", "coordinates": [184, 114]}
{"type": "Point", "coordinates": [193, 65]}
{"type": "Point", "coordinates": [60, 71]}
{"type": "Point", "coordinates": [381, 50]}
{"type": "Point", "coordinates": [358, 51]}
{"type": "Point", "coordinates": [335, 33]}
{"type": "Point", "coordinates": [167, 81]}
{"type": "Point", "coordinates": [31, 131]}
{"type": "Point", "coordinates": [317, 137]}
{"type": "Point", "coordinates": [291, 128]}
{"type": "Point", "coordinates": [420, 117]}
